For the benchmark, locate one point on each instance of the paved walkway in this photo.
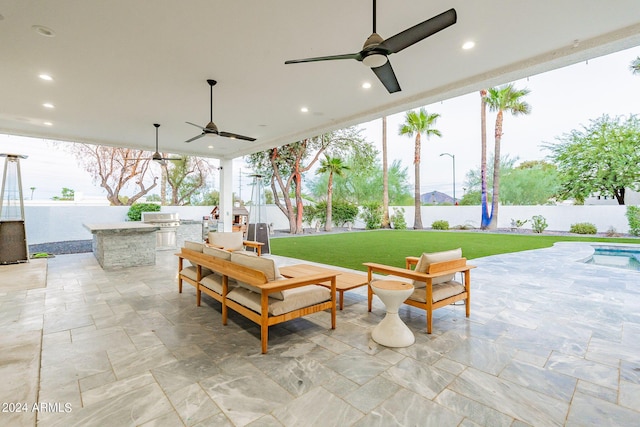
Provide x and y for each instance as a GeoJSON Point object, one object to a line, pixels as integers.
{"type": "Point", "coordinates": [551, 341]}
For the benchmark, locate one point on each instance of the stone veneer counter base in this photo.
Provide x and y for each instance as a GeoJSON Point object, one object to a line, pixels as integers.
{"type": "Point", "coordinates": [124, 244]}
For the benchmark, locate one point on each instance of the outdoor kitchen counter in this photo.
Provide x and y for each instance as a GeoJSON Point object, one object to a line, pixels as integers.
{"type": "Point", "coordinates": [123, 244]}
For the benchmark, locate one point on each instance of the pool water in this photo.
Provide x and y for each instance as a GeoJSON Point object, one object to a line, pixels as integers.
{"type": "Point", "coordinates": [623, 257]}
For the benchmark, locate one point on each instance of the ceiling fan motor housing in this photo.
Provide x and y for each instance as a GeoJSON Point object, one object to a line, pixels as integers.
{"type": "Point", "coordinates": [211, 128]}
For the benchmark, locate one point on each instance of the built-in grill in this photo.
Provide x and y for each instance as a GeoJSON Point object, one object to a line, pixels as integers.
{"type": "Point", "coordinates": [168, 223]}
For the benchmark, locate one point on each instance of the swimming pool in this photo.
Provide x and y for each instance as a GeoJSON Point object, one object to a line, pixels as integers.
{"type": "Point", "coordinates": [616, 256]}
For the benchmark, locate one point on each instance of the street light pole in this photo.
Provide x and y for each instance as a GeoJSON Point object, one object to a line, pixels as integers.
{"type": "Point", "coordinates": [453, 157]}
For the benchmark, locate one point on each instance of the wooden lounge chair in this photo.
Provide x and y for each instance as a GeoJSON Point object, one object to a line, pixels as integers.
{"type": "Point", "coordinates": [433, 279]}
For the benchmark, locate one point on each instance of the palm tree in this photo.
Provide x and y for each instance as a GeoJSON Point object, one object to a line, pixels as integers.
{"type": "Point", "coordinates": [486, 219]}
{"type": "Point", "coordinates": [505, 98]}
{"type": "Point", "coordinates": [635, 66]}
{"type": "Point", "coordinates": [332, 165]}
{"type": "Point", "coordinates": [385, 177]}
{"type": "Point", "coordinates": [416, 124]}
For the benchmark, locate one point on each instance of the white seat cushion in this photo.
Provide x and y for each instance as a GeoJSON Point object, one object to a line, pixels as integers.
{"type": "Point", "coordinates": [214, 282]}
{"type": "Point", "coordinates": [440, 291]}
{"type": "Point", "coordinates": [428, 258]}
{"type": "Point", "coordinates": [192, 274]}
{"type": "Point", "coordinates": [294, 299]}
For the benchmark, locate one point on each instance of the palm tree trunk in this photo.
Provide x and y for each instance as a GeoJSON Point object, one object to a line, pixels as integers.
{"type": "Point", "coordinates": [495, 194]}
{"type": "Point", "coordinates": [327, 225]}
{"type": "Point", "coordinates": [485, 218]}
{"type": "Point", "coordinates": [385, 177]}
{"type": "Point", "coordinates": [417, 222]}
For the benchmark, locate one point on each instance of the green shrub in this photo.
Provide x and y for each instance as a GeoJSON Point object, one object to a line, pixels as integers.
{"type": "Point", "coordinates": [372, 215]}
{"type": "Point", "coordinates": [343, 212]}
{"type": "Point", "coordinates": [397, 219]}
{"type": "Point", "coordinates": [312, 213]}
{"type": "Point", "coordinates": [462, 227]}
{"type": "Point", "coordinates": [440, 225]}
{"type": "Point", "coordinates": [583, 228]}
{"type": "Point", "coordinates": [612, 232]}
{"type": "Point", "coordinates": [516, 224]}
{"type": "Point", "coordinates": [538, 223]}
{"type": "Point", "coordinates": [135, 211]}
{"type": "Point", "coordinates": [633, 216]}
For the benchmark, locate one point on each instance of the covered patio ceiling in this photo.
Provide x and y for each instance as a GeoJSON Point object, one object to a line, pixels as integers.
{"type": "Point", "coordinates": [119, 66]}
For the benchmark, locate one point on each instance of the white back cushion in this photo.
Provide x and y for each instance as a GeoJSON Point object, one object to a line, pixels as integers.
{"type": "Point", "coordinates": [428, 258]}
{"type": "Point", "coordinates": [228, 240]}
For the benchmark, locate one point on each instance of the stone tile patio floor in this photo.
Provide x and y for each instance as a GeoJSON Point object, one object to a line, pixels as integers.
{"type": "Point", "coordinates": [550, 341]}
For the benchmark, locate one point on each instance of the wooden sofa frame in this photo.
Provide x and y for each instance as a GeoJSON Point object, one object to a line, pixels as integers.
{"type": "Point", "coordinates": [228, 269]}
{"type": "Point", "coordinates": [436, 269]}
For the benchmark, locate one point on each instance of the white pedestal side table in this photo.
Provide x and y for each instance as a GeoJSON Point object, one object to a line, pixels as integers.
{"type": "Point", "coordinates": [391, 331]}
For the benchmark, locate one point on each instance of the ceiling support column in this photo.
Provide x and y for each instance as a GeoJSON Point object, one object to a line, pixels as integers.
{"type": "Point", "coordinates": [226, 194]}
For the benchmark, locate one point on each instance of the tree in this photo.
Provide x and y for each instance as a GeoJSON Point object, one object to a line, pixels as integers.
{"type": "Point", "coordinates": [66, 194]}
{"type": "Point", "coordinates": [530, 183]}
{"type": "Point", "coordinates": [362, 184]}
{"type": "Point", "coordinates": [635, 66]}
{"type": "Point", "coordinates": [284, 167]}
{"type": "Point", "coordinates": [473, 180]}
{"type": "Point", "coordinates": [385, 177]}
{"type": "Point", "coordinates": [505, 98]}
{"type": "Point", "coordinates": [416, 124]}
{"type": "Point", "coordinates": [331, 165]}
{"type": "Point", "coordinates": [211, 198]}
{"type": "Point", "coordinates": [116, 169]}
{"type": "Point", "coordinates": [602, 157]}
{"type": "Point", "coordinates": [32, 190]}
{"type": "Point", "coordinates": [186, 177]}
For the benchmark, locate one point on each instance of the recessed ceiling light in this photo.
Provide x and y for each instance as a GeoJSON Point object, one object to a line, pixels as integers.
{"type": "Point", "coordinates": [210, 146]}
{"type": "Point", "coordinates": [47, 124]}
{"type": "Point", "coordinates": [304, 109]}
{"type": "Point", "coordinates": [468, 45]}
{"type": "Point", "coordinates": [48, 105]}
{"type": "Point", "coordinates": [43, 31]}
{"type": "Point", "coordinates": [46, 77]}
{"type": "Point", "coordinates": [366, 85]}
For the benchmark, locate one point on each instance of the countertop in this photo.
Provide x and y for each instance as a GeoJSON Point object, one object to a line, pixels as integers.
{"type": "Point", "coordinates": [121, 227]}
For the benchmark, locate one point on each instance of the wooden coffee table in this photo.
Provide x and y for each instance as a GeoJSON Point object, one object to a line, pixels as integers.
{"type": "Point", "coordinates": [345, 281]}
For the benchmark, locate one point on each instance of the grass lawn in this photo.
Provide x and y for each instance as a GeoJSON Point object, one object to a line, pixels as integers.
{"type": "Point", "coordinates": [389, 247]}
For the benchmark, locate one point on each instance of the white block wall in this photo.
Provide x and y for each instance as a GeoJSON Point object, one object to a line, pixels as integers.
{"type": "Point", "coordinates": [61, 223]}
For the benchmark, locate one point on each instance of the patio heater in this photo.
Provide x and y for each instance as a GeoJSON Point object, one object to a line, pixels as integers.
{"type": "Point", "coordinates": [13, 235]}
{"type": "Point", "coordinates": [258, 230]}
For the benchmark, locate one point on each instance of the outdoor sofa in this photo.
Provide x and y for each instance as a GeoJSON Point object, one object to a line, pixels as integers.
{"type": "Point", "coordinates": [252, 286]}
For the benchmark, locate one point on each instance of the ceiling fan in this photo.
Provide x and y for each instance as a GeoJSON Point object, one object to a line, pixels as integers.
{"type": "Point", "coordinates": [157, 157]}
{"type": "Point", "coordinates": [211, 128]}
{"type": "Point", "coordinates": [375, 52]}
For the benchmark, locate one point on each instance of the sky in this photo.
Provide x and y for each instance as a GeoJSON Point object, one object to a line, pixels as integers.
{"type": "Point", "coordinates": [561, 100]}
